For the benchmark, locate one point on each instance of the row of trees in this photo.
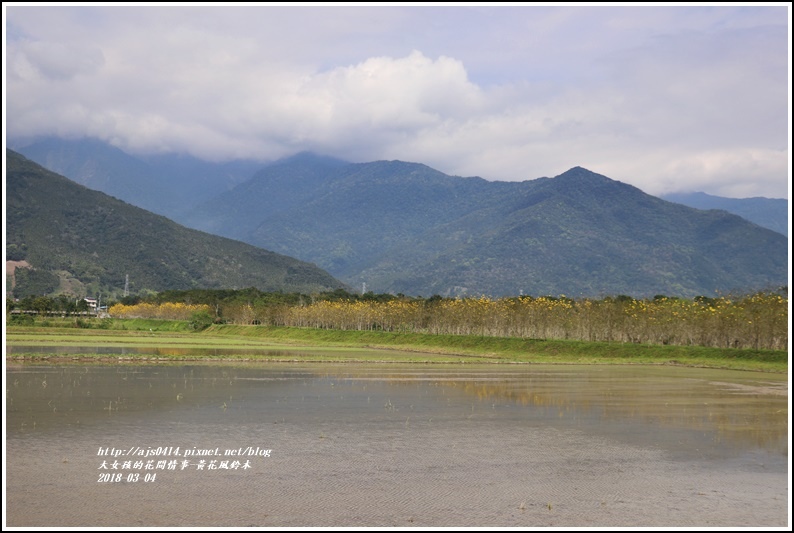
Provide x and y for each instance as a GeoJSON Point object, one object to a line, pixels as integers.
{"type": "Point", "coordinates": [166, 310]}
{"type": "Point", "coordinates": [45, 305]}
{"type": "Point", "coordinates": [757, 321]}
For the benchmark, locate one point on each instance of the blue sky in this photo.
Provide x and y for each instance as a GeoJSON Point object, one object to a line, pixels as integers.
{"type": "Point", "coordinates": [666, 98]}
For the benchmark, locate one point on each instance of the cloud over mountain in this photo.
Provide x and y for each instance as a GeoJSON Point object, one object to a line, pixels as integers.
{"type": "Point", "coordinates": [669, 97]}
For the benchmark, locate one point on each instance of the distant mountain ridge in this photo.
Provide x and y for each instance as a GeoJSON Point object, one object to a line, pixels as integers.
{"type": "Point", "coordinates": [402, 227]}
{"type": "Point", "coordinates": [167, 185]}
{"type": "Point", "coordinates": [282, 186]}
{"type": "Point", "coordinates": [67, 232]}
{"type": "Point", "coordinates": [176, 185]}
{"type": "Point", "coordinates": [406, 228]}
{"type": "Point", "coordinates": [770, 213]}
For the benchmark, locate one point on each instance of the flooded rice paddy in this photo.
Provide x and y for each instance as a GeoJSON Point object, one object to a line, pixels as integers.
{"type": "Point", "coordinates": [383, 445]}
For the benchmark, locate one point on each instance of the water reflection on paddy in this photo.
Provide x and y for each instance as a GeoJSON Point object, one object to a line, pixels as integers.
{"type": "Point", "coordinates": [401, 445]}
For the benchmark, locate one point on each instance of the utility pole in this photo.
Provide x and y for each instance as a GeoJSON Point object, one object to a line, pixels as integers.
{"type": "Point", "coordinates": [127, 285]}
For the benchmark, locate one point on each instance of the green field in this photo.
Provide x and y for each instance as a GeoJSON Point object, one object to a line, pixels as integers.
{"type": "Point", "coordinates": [176, 341]}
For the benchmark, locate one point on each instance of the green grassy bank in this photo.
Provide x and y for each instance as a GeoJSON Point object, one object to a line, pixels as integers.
{"type": "Point", "coordinates": [335, 345]}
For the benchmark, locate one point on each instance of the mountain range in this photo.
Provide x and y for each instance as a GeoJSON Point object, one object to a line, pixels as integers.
{"type": "Point", "coordinates": [400, 227]}
{"type": "Point", "coordinates": [174, 185]}
{"type": "Point", "coordinates": [65, 237]}
{"type": "Point", "coordinates": [406, 228]}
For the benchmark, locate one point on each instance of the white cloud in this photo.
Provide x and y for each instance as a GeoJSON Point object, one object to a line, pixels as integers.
{"type": "Point", "coordinates": [658, 97]}
{"type": "Point", "coordinates": [382, 97]}
{"type": "Point", "coordinates": [56, 61]}
{"type": "Point", "coordinates": [742, 172]}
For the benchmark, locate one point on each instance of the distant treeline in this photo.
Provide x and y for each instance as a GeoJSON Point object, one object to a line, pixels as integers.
{"type": "Point", "coordinates": [46, 305]}
{"type": "Point", "coordinates": [758, 321]}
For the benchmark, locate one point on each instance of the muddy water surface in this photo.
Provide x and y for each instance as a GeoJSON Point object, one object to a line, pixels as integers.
{"type": "Point", "coordinates": [394, 445]}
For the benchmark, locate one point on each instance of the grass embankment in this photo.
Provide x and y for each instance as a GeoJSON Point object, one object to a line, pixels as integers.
{"type": "Point", "coordinates": [175, 339]}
